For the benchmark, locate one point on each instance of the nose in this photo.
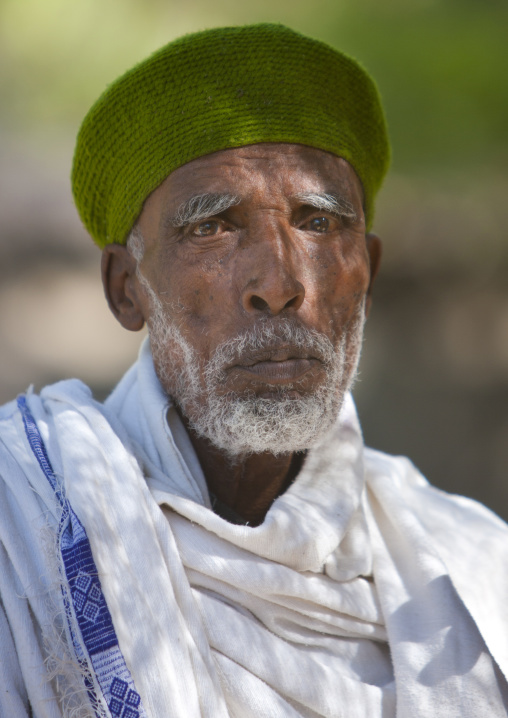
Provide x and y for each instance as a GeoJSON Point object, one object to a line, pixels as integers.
{"type": "Point", "coordinates": [272, 283]}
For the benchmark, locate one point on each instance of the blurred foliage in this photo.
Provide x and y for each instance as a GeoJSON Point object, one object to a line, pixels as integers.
{"type": "Point", "coordinates": [440, 64]}
{"type": "Point", "coordinates": [442, 70]}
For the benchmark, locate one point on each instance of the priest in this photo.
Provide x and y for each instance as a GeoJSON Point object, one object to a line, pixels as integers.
{"type": "Point", "coordinates": [215, 540]}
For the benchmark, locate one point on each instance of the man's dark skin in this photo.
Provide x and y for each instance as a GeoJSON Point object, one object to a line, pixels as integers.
{"type": "Point", "coordinates": [271, 255]}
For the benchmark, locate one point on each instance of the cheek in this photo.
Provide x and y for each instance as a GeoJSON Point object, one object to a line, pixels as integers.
{"type": "Point", "coordinates": [205, 301]}
{"type": "Point", "coordinates": [340, 277]}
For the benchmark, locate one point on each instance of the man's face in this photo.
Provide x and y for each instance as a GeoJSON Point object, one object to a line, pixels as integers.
{"type": "Point", "coordinates": [253, 283]}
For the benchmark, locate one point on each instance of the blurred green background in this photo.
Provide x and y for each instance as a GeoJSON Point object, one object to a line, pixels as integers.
{"type": "Point", "coordinates": [434, 376]}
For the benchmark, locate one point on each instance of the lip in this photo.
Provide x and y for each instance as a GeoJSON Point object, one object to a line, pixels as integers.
{"type": "Point", "coordinates": [279, 372]}
{"type": "Point", "coordinates": [276, 354]}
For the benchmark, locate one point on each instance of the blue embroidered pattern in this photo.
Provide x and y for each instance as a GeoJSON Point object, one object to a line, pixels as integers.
{"type": "Point", "coordinates": [88, 602]}
{"type": "Point", "coordinates": [125, 701]}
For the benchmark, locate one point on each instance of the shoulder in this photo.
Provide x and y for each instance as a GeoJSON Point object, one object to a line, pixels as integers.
{"type": "Point", "coordinates": [439, 511]}
{"type": "Point", "coordinates": [7, 410]}
{"type": "Point", "coordinates": [8, 424]}
{"type": "Point", "coordinates": [28, 433]}
{"type": "Point", "coordinates": [15, 456]}
{"type": "Point", "coordinates": [470, 540]}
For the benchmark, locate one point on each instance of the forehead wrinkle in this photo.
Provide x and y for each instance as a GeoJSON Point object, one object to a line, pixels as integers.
{"type": "Point", "coordinates": [201, 206]}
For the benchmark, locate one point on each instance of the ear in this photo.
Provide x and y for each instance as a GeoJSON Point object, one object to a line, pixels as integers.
{"type": "Point", "coordinates": [118, 269]}
{"type": "Point", "coordinates": [374, 249]}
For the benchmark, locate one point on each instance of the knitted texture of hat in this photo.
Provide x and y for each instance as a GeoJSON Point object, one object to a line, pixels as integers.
{"type": "Point", "coordinates": [214, 90]}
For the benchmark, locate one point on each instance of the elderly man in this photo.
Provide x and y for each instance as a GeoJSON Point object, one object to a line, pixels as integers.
{"type": "Point", "coordinates": [215, 540]}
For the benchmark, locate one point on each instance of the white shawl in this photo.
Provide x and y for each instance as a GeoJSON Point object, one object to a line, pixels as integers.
{"type": "Point", "coordinates": [358, 566]}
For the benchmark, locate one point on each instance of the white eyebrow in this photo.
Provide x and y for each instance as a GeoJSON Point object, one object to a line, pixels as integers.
{"type": "Point", "coordinates": [339, 206]}
{"type": "Point", "coordinates": [201, 207]}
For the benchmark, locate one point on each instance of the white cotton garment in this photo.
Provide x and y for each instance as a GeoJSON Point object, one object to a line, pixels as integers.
{"type": "Point", "coordinates": [290, 598]}
{"type": "Point", "coordinates": [364, 593]}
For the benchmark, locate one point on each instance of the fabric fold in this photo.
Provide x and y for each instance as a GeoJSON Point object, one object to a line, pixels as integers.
{"type": "Point", "coordinates": [352, 598]}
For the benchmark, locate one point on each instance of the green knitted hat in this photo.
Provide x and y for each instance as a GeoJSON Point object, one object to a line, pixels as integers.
{"type": "Point", "coordinates": [214, 90]}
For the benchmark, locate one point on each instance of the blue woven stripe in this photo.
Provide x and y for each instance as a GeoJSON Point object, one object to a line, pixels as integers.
{"type": "Point", "coordinates": [88, 601]}
{"type": "Point", "coordinates": [90, 606]}
{"type": "Point", "coordinates": [37, 446]}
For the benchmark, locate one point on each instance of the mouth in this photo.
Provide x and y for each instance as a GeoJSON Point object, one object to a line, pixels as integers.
{"type": "Point", "coordinates": [278, 366]}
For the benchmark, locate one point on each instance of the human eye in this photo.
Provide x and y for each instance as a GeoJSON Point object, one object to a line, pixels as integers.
{"type": "Point", "coordinates": [209, 228]}
{"type": "Point", "coordinates": [320, 224]}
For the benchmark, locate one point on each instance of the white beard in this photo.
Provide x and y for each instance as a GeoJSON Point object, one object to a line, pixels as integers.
{"type": "Point", "coordinates": [244, 424]}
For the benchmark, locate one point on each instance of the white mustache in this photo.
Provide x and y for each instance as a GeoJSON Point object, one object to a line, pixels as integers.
{"type": "Point", "coordinates": [263, 340]}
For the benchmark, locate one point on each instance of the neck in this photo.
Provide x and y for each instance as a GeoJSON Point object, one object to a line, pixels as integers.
{"type": "Point", "coordinates": [247, 485]}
